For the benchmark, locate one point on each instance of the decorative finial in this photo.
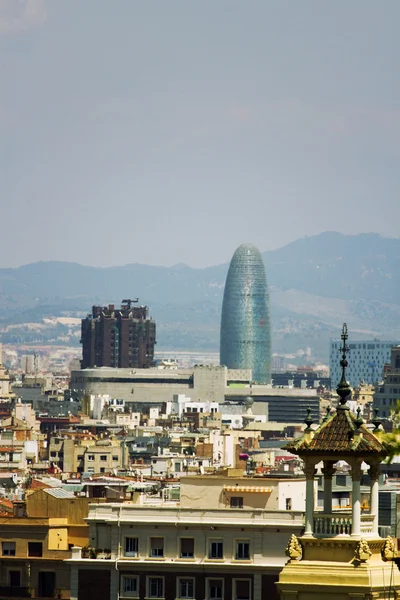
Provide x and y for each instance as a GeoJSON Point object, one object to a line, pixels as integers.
{"type": "Point", "coordinates": [359, 420]}
{"type": "Point", "coordinates": [362, 552]}
{"type": "Point", "coordinates": [388, 551]}
{"type": "Point", "coordinates": [328, 412]}
{"type": "Point", "coordinates": [294, 550]}
{"type": "Point", "coordinates": [343, 388]}
{"type": "Point", "coordinates": [376, 421]}
{"type": "Point", "coordinates": [308, 420]}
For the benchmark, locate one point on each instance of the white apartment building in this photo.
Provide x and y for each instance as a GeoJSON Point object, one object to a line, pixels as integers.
{"type": "Point", "coordinates": [225, 540]}
{"type": "Point", "coordinates": [184, 404]}
{"type": "Point", "coordinates": [366, 360]}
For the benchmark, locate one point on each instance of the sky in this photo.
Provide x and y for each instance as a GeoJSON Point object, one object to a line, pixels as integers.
{"type": "Point", "coordinates": [171, 131]}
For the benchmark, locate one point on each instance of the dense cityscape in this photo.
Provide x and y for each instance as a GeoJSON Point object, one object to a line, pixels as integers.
{"type": "Point", "coordinates": [199, 300]}
{"type": "Point", "coordinates": [126, 475]}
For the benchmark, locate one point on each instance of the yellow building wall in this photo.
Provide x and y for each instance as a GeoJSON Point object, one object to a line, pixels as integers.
{"type": "Point", "coordinates": [41, 504]}
{"type": "Point", "coordinates": [58, 538]}
{"type": "Point", "coordinates": [198, 492]}
{"type": "Point", "coordinates": [78, 535]}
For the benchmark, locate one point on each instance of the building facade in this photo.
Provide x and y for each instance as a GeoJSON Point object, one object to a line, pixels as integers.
{"type": "Point", "coordinates": [123, 337]}
{"type": "Point", "coordinates": [387, 394]}
{"type": "Point", "coordinates": [201, 383]}
{"type": "Point", "coordinates": [83, 454]}
{"type": "Point", "coordinates": [35, 542]}
{"type": "Point", "coordinates": [143, 387]}
{"type": "Point", "coordinates": [226, 540]}
{"type": "Point", "coordinates": [245, 322]}
{"type": "Point", "coordinates": [366, 361]}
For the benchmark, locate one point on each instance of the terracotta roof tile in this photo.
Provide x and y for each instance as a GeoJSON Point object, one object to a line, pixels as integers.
{"type": "Point", "coordinates": [339, 434]}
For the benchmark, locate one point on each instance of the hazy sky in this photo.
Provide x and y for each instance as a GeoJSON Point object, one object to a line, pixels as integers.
{"type": "Point", "coordinates": [173, 130]}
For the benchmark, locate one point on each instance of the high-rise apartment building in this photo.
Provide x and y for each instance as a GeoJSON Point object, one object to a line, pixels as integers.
{"type": "Point", "coordinates": [118, 337]}
{"type": "Point", "coordinates": [245, 322]}
{"type": "Point", "coordinates": [28, 363]}
{"type": "Point", "coordinates": [366, 360]}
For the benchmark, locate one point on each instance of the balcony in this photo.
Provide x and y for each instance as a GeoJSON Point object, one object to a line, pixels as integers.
{"type": "Point", "coordinates": [340, 523]}
{"type": "Point", "coordinates": [89, 552]}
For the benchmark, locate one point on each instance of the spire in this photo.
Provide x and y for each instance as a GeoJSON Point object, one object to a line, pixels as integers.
{"type": "Point", "coordinates": [343, 388]}
{"type": "Point", "coordinates": [376, 421]}
{"type": "Point", "coordinates": [308, 420]}
{"type": "Point", "coordinates": [359, 420]}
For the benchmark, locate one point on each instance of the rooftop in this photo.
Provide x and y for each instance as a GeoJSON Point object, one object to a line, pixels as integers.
{"type": "Point", "coordinates": [128, 512]}
{"type": "Point", "coordinates": [340, 434]}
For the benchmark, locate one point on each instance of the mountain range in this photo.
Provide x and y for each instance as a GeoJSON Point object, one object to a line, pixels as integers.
{"type": "Point", "coordinates": [315, 283]}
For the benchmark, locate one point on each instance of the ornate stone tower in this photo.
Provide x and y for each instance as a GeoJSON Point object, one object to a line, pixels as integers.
{"type": "Point", "coordinates": [340, 555]}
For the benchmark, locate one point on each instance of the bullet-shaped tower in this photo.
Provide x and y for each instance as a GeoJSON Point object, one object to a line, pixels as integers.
{"type": "Point", "coordinates": [245, 323]}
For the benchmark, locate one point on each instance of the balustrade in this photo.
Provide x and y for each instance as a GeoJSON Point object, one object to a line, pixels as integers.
{"type": "Point", "coordinates": [331, 525]}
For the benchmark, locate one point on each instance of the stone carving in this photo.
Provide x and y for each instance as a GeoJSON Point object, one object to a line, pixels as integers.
{"type": "Point", "coordinates": [293, 549]}
{"type": "Point", "coordinates": [362, 552]}
{"type": "Point", "coordinates": [388, 551]}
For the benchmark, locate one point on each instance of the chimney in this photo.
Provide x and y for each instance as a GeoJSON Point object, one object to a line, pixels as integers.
{"type": "Point", "coordinates": [20, 508]}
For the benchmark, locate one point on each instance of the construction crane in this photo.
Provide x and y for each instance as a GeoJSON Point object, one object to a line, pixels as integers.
{"type": "Point", "coordinates": [129, 301]}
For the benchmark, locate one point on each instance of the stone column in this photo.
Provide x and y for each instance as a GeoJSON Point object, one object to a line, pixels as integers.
{"type": "Point", "coordinates": [327, 472]}
{"type": "Point", "coordinates": [374, 495]}
{"type": "Point", "coordinates": [74, 581]}
{"type": "Point", "coordinates": [257, 586]}
{"type": "Point", "coordinates": [356, 499]}
{"type": "Point", "coordinates": [310, 474]}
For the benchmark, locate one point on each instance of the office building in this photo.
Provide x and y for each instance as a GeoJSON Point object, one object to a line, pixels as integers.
{"type": "Point", "coordinates": [124, 337]}
{"type": "Point", "coordinates": [245, 322]}
{"type": "Point", "coordinates": [154, 387]}
{"type": "Point", "coordinates": [366, 360]}
{"type": "Point", "coordinates": [387, 394]}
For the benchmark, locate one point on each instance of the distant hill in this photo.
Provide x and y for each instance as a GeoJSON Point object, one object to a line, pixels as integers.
{"type": "Point", "coordinates": [316, 283]}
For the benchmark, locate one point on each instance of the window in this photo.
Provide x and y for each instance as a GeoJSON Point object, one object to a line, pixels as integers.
{"type": "Point", "coordinates": [155, 587]}
{"type": "Point", "coordinates": [156, 547]}
{"type": "Point", "coordinates": [131, 546]}
{"type": "Point", "coordinates": [215, 589]}
{"type": "Point", "coordinates": [186, 587]}
{"type": "Point", "coordinates": [90, 457]}
{"type": "Point", "coordinates": [103, 456]}
{"type": "Point", "coordinates": [115, 457]}
{"type": "Point", "coordinates": [79, 457]}
{"type": "Point", "coordinates": [8, 548]}
{"type": "Point", "coordinates": [130, 586]}
{"type": "Point", "coordinates": [187, 548]}
{"type": "Point", "coordinates": [241, 589]}
{"type": "Point", "coordinates": [236, 502]}
{"type": "Point", "coordinates": [242, 550]}
{"type": "Point", "coordinates": [216, 549]}
{"type": "Point", "coordinates": [35, 549]}
{"type": "Point", "coordinates": [14, 578]}
{"type": "Point", "coordinates": [53, 454]}
{"type": "Point", "coordinates": [288, 503]}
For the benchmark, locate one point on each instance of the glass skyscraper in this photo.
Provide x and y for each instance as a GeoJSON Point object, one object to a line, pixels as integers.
{"type": "Point", "coordinates": [245, 322]}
